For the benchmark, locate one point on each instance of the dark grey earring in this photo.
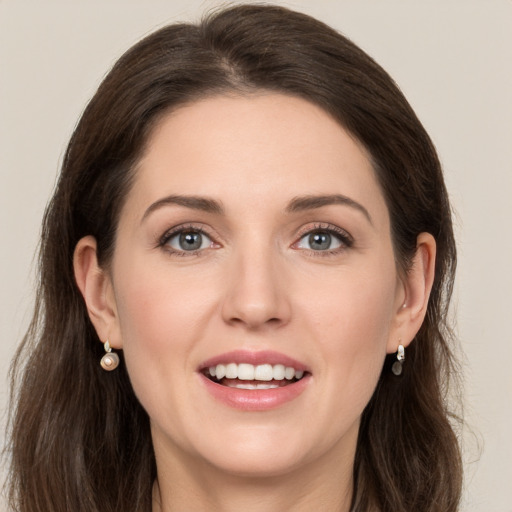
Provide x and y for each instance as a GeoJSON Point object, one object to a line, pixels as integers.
{"type": "Point", "coordinates": [400, 357]}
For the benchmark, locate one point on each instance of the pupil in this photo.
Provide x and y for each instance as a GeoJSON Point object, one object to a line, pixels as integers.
{"type": "Point", "coordinates": [320, 241]}
{"type": "Point", "coordinates": [190, 241]}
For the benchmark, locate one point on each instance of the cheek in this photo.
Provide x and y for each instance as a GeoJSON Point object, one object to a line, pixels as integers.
{"type": "Point", "coordinates": [160, 325]}
{"type": "Point", "coordinates": [161, 321]}
{"type": "Point", "coordinates": [355, 306]}
{"type": "Point", "coordinates": [159, 311]}
{"type": "Point", "coordinates": [352, 321]}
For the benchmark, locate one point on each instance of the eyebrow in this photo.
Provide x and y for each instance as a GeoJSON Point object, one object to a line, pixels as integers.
{"type": "Point", "coordinates": [311, 202]}
{"type": "Point", "coordinates": [297, 204]}
{"type": "Point", "coordinates": [194, 202]}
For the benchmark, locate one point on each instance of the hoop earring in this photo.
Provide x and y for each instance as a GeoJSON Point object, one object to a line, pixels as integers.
{"type": "Point", "coordinates": [110, 361]}
{"type": "Point", "coordinates": [400, 356]}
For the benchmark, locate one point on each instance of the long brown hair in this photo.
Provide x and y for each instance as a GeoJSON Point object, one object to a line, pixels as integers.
{"type": "Point", "coordinates": [80, 440]}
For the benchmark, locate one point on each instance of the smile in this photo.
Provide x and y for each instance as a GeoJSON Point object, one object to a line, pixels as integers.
{"type": "Point", "coordinates": [254, 381]}
{"type": "Point", "coordinates": [249, 376]}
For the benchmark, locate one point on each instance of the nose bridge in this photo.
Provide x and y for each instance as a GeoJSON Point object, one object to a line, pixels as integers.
{"type": "Point", "coordinates": [255, 295]}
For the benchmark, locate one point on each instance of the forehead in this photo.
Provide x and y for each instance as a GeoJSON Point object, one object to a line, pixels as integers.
{"type": "Point", "coordinates": [262, 148]}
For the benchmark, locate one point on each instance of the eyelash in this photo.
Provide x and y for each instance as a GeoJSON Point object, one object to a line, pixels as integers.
{"type": "Point", "coordinates": [343, 236]}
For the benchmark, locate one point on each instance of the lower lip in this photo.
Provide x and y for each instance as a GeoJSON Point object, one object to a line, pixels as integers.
{"type": "Point", "coordinates": [255, 399]}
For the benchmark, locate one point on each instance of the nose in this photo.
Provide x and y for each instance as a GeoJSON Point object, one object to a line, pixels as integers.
{"type": "Point", "coordinates": [256, 292]}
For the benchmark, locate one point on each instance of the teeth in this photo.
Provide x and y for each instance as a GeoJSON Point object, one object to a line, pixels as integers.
{"type": "Point", "coordinates": [263, 372]}
{"type": "Point", "coordinates": [231, 371]}
{"type": "Point", "coordinates": [220, 371]}
{"type": "Point", "coordinates": [251, 386]}
{"type": "Point", "coordinates": [289, 373]}
{"type": "Point", "coordinates": [278, 372]}
{"type": "Point", "coordinates": [245, 372]}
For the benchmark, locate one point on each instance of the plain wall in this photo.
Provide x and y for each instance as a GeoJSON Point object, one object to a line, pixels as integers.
{"type": "Point", "coordinates": [452, 59]}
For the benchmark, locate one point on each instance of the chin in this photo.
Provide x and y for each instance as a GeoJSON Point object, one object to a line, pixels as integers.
{"type": "Point", "coordinates": [259, 464]}
{"type": "Point", "coordinates": [257, 452]}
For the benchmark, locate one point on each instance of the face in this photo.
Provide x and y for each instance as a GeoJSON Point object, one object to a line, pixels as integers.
{"type": "Point", "coordinates": [254, 285]}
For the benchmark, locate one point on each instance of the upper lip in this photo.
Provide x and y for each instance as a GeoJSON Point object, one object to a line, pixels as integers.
{"type": "Point", "coordinates": [255, 358]}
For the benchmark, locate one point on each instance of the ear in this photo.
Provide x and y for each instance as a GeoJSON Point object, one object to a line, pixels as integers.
{"type": "Point", "coordinates": [96, 287]}
{"type": "Point", "coordinates": [416, 286]}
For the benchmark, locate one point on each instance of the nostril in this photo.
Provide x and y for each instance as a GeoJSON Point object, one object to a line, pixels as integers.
{"type": "Point", "coordinates": [255, 322]}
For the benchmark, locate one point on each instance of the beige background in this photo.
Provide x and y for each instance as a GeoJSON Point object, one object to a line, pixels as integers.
{"type": "Point", "coordinates": [453, 60]}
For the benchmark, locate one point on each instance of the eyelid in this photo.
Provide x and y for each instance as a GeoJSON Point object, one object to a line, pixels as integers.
{"type": "Point", "coordinates": [325, 226]}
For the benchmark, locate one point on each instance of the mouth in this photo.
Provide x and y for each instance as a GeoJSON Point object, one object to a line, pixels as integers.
{"type": "Point", "coordinates": [254, 380]}
{"type": "Point", "coordinates": [253, 377]}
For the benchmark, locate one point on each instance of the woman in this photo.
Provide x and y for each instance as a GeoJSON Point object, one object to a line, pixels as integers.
{"type": "Point", "coordinates": [245, 271]}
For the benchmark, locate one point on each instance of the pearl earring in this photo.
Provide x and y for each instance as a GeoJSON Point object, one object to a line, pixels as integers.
{"type": "Point", "coordinates": [400, 356]}
{"type": "Point", "coordinates": [110, 361]}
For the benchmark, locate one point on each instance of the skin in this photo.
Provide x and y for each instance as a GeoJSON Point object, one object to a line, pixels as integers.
{"type": "Point", "coordinates": [257, 284]}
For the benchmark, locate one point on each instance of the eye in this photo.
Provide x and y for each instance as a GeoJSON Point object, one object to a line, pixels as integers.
{"type": "Point", "coordinates": [319, 241]}
{"type": "Point", "coordinates": [189, 240]}
{"type": "Point", "coordinates": [324, 240]}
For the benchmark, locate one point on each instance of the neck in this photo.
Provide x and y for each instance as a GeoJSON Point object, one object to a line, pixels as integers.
{"type": "Point", "coordinates": [211, 490]}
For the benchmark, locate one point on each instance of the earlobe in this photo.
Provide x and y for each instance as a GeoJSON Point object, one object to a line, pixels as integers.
{"type": "Point", "coordinates": [96, 287]}
{"type": "Point", "coordinates": [417, 285]}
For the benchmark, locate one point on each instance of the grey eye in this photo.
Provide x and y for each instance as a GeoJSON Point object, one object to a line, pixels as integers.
{"type": "Point", "coordinates": [319, 241]}
{"type": "Point", "coordinates": [189, 241]}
